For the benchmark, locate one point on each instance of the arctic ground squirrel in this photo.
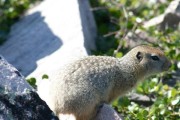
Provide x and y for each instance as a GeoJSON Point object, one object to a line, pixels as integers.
{"type": "Point", "coordinates": [84, 85]}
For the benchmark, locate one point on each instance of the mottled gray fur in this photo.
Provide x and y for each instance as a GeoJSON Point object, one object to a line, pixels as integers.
{"type": "Point", "coordinates": [85, 84]}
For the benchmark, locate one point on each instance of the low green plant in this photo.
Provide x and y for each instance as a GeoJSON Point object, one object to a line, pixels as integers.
{"type": "Point", "coordinates": [32, 82]}
{"type": "Point", "coordinates": [166, 103]}
{"type": "Point", "coordinates": [117, 18]}
{"type": "Point", "coordinates": [114, 20]}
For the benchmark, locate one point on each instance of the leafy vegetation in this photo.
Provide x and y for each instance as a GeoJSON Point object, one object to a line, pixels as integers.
{"type": "Point", "coordinates": [32, 82]}
{"type": "Point", "coordinates": [165, 107]}
{"type": "Point", "coordinates": [115, 19]}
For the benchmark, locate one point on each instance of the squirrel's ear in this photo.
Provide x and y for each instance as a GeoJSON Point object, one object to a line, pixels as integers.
{"type": "Point", "coordinates": [139, 56]}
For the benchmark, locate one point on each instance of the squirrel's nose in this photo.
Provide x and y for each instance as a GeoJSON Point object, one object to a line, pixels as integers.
{"type": "Point", "coordinates": [167, 65]}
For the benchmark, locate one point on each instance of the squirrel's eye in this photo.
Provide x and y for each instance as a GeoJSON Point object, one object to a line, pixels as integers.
{"type": "Point", "coordinates": [155, 58]}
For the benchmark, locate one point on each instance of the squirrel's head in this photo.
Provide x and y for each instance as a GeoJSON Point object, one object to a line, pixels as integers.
{"type": "Point", "coordinates": [151, 60]}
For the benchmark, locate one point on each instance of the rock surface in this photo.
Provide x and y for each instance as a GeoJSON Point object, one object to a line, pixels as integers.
{"type": "Point", "coordinates": [18, 100]}
{"type": "Point", "coordinates": [50, 35]}
{"type": "Point", "coordinates": [11, 79]}
{"type": "Point", "coordinates": [170, 18]}
{"type": "Point", "coordinates": [137, 38]}
{"type": "Point", "coordinates": [108, 113]}
{"type": "Point", "coordinates": [44, 40]}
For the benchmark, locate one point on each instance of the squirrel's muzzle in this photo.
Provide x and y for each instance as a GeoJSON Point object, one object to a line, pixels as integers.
{"type": "Point", "coordinates": [167, 65]}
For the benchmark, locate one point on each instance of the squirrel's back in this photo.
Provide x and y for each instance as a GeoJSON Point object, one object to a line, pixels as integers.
{"type": "Point", "coordinates": [82, 86]}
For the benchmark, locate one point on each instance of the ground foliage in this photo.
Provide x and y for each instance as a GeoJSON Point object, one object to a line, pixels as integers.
{"type": "Point", "coordinates": [115, 19]}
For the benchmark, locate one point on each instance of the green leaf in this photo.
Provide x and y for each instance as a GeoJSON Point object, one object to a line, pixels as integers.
{"type": "Point", "coordinates": [155, 80]}
{"type": "Point", "coordinates": [140, 116]}
{"type": "Point", "coordinates": [124, 101]}
{"type": "Point", "coordinates": [32, 81]}
{"type": "Point", "coordinates": [139, 89]}
{"type": "Point", "coordinates": [145, 113]}
{"type": "Point", "coordinates": [161, 106]}
{"type": "Point", "coordinates": [163, 111]}
{"type": "Point", "coordinates": [155, 89]}
{"type": "Point", "coordinates": [165, 87]}
{"type": "Point", "coordinates": [153, 117]}
{"type": "Point", "coordinates": [45, 76]}
{"type": "Point", "coordinates": [172, 93]}
{"type": "Point", "coordinates": [119, 55]}
{"type": "Point", "coordinates": [175, 101]}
